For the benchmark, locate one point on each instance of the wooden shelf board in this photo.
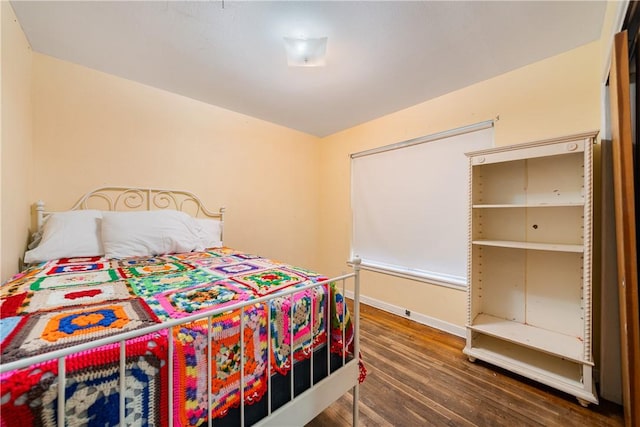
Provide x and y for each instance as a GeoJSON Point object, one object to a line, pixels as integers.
{"type": "Point", "coordinates": [525, 205]}
{"type": "Point", "coordinates": [551, 342]}
{"type": "Point", "coordinates": [555, 247]}
{"type": "Point", "coordinates": [553, 371]}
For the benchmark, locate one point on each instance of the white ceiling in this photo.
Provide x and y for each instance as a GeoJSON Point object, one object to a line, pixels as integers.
{"type": "Point", "coordinates": [381, 56]}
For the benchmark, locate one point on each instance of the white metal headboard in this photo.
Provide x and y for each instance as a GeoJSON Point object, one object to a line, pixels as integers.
{"type": "Point", "coordinates": [130, 199]}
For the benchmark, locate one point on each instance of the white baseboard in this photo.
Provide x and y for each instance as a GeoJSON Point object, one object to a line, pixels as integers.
{"type": "Point", "coordinates": [416, 317]}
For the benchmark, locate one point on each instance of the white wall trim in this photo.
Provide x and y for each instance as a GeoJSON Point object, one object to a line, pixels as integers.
{"type": "Point", "coordinates": [621, 12]}
{"type": "Point", "coordinates": [416, 317]}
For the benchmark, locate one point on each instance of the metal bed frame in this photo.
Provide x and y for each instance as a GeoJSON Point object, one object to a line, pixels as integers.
{"type": "Point", "coordinates": [299, 410]}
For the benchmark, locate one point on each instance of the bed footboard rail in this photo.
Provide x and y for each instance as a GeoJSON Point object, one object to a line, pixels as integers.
{"type": "Point", "coordinates": [301, 408]}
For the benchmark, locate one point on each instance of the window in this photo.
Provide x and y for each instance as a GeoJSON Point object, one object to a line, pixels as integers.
{"type": "Point", "coordinates": [410, 205]}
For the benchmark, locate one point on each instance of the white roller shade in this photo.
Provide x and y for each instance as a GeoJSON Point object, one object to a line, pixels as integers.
{"type": "Point", "coordinates": [410, 204]}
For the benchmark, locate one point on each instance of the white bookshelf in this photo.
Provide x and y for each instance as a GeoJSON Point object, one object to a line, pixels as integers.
{"type": "Point", "coordinates": [529, 297]}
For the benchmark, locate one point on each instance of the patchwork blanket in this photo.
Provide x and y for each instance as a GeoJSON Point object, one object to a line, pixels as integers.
{"type": "Point", "coordinates": [74, 300]}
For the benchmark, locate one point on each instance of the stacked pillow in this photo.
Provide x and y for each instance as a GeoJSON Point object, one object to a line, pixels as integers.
{"type": "Point", "coordinates": [123, 234]}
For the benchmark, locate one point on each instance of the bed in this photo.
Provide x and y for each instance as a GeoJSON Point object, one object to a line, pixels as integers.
{"type": "Point", "coordinates": [131, 311]}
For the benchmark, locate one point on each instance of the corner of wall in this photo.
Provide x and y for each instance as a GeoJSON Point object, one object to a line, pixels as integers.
{"type": "Point", "coordinates": [16, 143]}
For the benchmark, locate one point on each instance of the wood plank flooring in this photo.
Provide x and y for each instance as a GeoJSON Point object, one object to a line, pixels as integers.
{"type": "Point", "coordinates": [418, 376]}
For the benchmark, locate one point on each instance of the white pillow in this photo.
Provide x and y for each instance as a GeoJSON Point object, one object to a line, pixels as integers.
{"type": "Point", "coordinates": [68, 234]}
{"type": "Point", "coordinates": [147, 233]}
{"type": "Point", "coordinates": [211, 232]}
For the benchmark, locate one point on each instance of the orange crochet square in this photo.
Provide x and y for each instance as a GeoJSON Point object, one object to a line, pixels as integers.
{"type": "Point", "coordinates": [86, 321]}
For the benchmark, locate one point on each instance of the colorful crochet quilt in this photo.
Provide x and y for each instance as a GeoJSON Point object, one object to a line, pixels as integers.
{"type": "Point", "coordinates": [70, 301]}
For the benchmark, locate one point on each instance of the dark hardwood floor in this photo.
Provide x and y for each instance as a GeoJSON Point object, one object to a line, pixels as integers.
{"type": "Point", "coordinates": [418, 376]}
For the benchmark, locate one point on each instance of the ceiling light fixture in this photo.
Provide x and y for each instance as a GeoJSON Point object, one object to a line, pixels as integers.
{"type": "Point", "coordinates": [306, 52]}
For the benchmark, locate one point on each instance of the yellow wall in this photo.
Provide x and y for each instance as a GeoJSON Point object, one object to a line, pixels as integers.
{"type": "Point", "coordinates": [92, 129]}
{"type": "Point", "coordinates": [553, 97]}
{"type": "Point", "coordinates": [16, 134]}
